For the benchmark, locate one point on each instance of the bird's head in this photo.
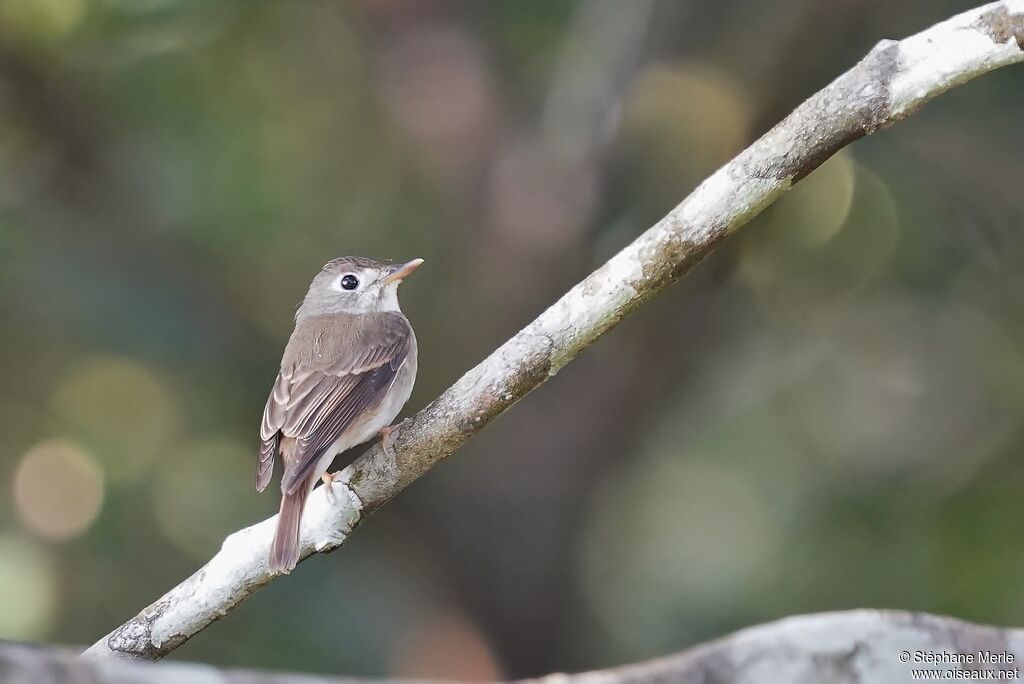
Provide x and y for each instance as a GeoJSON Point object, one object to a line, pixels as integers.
{"type": "Point", "coordinates": [355, 285]}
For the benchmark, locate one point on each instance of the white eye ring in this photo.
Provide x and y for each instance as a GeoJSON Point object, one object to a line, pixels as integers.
{"type": "Point", "coordinates": [347, 282]}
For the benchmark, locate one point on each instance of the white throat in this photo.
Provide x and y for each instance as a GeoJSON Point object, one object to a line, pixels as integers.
{"type": "Point", "coordinates": [388, 299]}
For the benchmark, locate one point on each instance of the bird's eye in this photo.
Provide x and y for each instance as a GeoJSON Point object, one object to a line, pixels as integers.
{"type": "Point", "coordinates": [350, 282]}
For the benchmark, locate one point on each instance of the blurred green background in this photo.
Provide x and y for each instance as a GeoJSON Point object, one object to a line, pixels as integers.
{"type": "Point", "coordinates": [826, 414]}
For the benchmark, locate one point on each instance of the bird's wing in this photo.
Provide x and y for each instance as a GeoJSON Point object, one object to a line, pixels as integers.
{"type": "Point", "coordinates": [274, 415]}
{"type": "Point", "coordinates": [334, 369]}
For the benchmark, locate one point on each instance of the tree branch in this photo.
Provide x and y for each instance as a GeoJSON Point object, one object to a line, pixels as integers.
{"type": "Point", "coordinates": [852, 646]}
{"type": "Point", "coordinates": [890, 83]}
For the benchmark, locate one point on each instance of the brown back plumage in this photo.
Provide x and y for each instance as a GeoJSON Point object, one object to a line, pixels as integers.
{"type": "Point", "coordinates": [334, 369]}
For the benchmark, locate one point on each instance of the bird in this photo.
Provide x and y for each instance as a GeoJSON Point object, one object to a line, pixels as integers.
{"type": "Point", "coordinates": [347, 371]}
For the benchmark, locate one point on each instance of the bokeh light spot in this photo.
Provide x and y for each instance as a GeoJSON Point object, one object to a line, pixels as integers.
{"type": "Point", "coordinates": [205, 492]}
{"type": "Point", "coordinates": [816, 208]}
{"type": "Point", "coordinates": [436, 88]}
{"type": "Point", "coordinates": [58, 490]}
{"type": "Point", "coordinates": [446, 646]}
{"type": "Point", "coordinates": [39, 20]}
{"type": "Point", "coordinates": [120, 409]}
{"type": "Point", "coordinates": [673, 538]}
{"type": "Point", "coordinates": [28, 590]}
{"type": "Point", "coordinates": [680, 121]}
{"type": "Point", "coordinates": [838, 235]}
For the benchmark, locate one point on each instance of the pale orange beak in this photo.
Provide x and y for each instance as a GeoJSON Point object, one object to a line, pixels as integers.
{"type": "Point", "coordinates": [401, 271]}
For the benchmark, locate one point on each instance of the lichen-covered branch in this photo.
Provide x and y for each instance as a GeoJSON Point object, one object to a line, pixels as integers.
{"type": "Point", "coordinates": [890, 83]}
{"type": "Point", "coordinates": [869, 646]}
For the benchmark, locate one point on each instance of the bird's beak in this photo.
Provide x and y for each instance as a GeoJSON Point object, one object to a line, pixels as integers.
{"type": "Point", "coordinates": [401, 271]}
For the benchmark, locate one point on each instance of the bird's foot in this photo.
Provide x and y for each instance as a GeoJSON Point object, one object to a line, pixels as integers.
{"type": "Point", "coordinates": [328, 479]}
{"type": "Point", "coordinates": [387, 439]}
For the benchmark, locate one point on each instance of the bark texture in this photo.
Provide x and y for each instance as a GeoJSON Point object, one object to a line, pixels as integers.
{"type": "Point", "coordinates": [853, 647]}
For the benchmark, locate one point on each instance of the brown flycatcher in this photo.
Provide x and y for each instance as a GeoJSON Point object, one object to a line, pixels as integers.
{"type": "Point", "coordinates": [348, 369]}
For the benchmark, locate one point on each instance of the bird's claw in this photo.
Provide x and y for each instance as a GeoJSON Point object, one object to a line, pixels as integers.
{"type": "Point", "coordinates": [387, 441]}
{"type": "Point", "coordinates": [328, 479]}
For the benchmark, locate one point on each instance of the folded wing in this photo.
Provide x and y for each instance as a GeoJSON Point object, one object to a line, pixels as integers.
{"type": "Point", "coordinates": [334, 369]}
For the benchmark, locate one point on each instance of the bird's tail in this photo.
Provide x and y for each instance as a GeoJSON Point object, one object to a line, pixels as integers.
{"type": "Point", "coordinates": [284, 551]}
